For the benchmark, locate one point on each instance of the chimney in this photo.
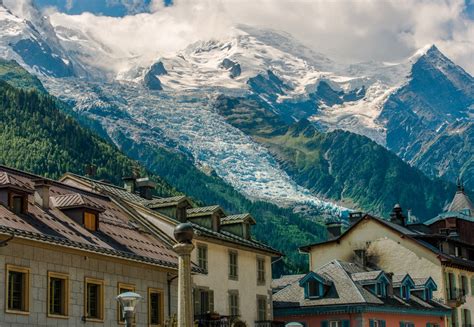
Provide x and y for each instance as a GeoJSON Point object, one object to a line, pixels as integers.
{"type": "Point", "coordinates": [129, 183]}
{"type": "Point", "coordinates": [390, 284]}
{"type": "Point", "coordinates": [361, 257]}
{"type": "Point", "coordinates": [397, 216]}
{"type": "Point", "coordinates": [354, 217]}
{"type": "Point", "coordinates": [145, 187]}
{"type": "Point", "coordinates": [334, 228]}
{"type": "Point", "coordinates": [42, 192]}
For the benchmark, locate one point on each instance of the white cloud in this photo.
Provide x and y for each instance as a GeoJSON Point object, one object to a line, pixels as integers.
{"type": "Point", "coordinates": [345, 30]}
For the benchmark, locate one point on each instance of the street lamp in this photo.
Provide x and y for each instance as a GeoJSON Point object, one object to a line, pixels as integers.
{"type": "Point", "coordinates": [128, 301]}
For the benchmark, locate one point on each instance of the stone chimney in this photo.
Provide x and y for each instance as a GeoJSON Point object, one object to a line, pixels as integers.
{"type": "Point", "coordinates": [129, 183]}
{"type": "Point", "coordinates": [145, 187]}
{"type": "Point", "coordinates": [397, 216]}
{"type": "Point", "coordinates": [361, 257]}
{"type": "Point", "coordinates": [334, 228]}
{"type": "Point", "coordinates": [42, 192]}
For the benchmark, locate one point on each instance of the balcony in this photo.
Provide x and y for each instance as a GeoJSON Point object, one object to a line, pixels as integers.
{"type": "Point", "coordinates": [214, 320]}
{"type": "Point", "coordinates": [456, 297]}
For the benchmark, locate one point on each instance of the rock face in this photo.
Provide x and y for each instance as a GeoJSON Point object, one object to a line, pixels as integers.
{"type": "Point", "coordinates": [152, 82]}
{"type": "Point", "coordinates": [428, 119]}
{"type": "Point", "coordinates": [233, 67]}
{"type": "Point", "coordinates": [158, 69]}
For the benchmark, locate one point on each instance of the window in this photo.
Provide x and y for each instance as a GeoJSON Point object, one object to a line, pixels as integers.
{"type": "Point", "coordinates": [466, 317]}
{"type": "Point", "coordinates": [203, 301]}
{"type": "Point", "coordinates": [472, 286]}
{"type": "Point", "coordinates": [90, 221]}
{"type": "Point", "coordinates": [58, 294]}
{"type": "Point", "coordinates": [233, 267]}
{"type": "Point", "coordinates": [376, 323]}
{"type": "Point", "coordinates": [432, 324]}
{"type": "Point", "coordinates": [261, 307]}
{"type": "Point", "coordinates": [405, 292]}
{"type": "Point", "coordinates": [233, 303]}
{"type": "Point", "coordinates": [94, 293]}
{"type": "Point", "coordinates": [155, 307]}
{"type": "Point", "coordinates": [454, 317]}
{"type": "Point", "coordinates": [428, 294]}
{"type": "Point", "coordinates": [260, 271]}
{"type": "Point", "coordinates": [464, 285]}
{"type": "Point", "coordinates": [313, 289]}
{"type": "Point", "coordinates": [381, 289]}
{"type": "Point", "coordinates": [18, 203]}
{"type": "Point", "coordinates": [451, 282]}
{"type": "Point", "coordinates": [335, 323]}
{"type": "Point", "coordinates": [122, 288]}
{"type": "Point", "coordinates": [406, 324]}
{"type": "Point", "coordinates": [18, 289]}
{"type": "Point", "coordinates": [202, 256]}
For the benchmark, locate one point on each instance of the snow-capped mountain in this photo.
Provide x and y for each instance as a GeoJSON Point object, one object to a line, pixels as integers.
{"type": "Point", "coordinates": [165, 99]}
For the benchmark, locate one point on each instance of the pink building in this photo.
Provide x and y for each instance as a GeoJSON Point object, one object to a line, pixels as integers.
{"type": "Point", "coordinates": [342, 294]}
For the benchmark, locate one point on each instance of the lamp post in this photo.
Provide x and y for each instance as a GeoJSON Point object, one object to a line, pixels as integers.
{"type": "Point", "coordinates": [184, 233]}
{"type": "Point", "coordinates": [128, 301]}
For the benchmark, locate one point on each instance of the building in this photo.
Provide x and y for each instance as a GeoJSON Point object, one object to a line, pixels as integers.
{"type": "Point", "coordinates": [236, 284]}
{"type": "Point", "coordinates": [441, 248]}
{"type": "Point", "coordinates": [342, 294]}
{"type": "Point", "coordinates": [66, 253]}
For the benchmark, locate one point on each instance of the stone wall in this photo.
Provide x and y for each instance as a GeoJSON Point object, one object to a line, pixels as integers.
{"type": "Point", "coordinates": [41, 258]}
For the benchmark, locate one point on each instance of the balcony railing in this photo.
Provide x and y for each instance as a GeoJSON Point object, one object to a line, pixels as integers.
{"type": "Point", "coordinates": [208, 320]}
{"type": "Point", "coordinates": [456, 297]}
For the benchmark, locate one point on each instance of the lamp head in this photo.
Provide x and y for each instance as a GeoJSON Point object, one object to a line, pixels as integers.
{"type": "Point", "coordinates": [128, 301]}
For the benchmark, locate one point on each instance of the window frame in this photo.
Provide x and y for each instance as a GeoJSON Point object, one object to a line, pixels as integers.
{"type": "Point", "coordinates": [204, 247]}
{"type": "Point", "coordinates": [152, 290]}
{"type": "Point", "coordinates": [96, 220]}
{"type": "Point", "coordinates": [65, 277]}
{"type": "Point", "coordinates": [265, 312]}
{"type": "Point", "coordinates": [261, 272]}
{"type": "Point", "coordinates": [127, 287]}
{"type": "Point", "coordinates": [231, 265]}
{"type": "Point", "coordinates": [26, 290]}
{"type": "Point", "coordinates": [237, 306]}
{"type": "Point", "coordinates": [24, 202]}
{"type": "Point", "coordinates": [101, 283]}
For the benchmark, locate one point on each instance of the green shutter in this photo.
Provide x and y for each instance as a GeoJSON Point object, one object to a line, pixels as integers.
{"type": "Point", "coordinates": [472, 286]}
{"type": "Point", "coordinates": [324, 323]}
{"type": "Point", "coordinates": [346, 323]}
{"type": "Point", "coordinates": [371, 323]}
{"type": "Point", "coordinates": [211, 301]}
{"type": "Point", "coordinates": [197, 301]}
{"type": "Point", "coordinates": [382, 322]}
{"type": "Point", "coordinates": [402, 324]}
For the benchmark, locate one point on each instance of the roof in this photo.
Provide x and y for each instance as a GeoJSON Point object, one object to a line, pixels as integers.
{"type": "Point", "coordinates": [344, 291]}
{"type": "Point", "coordinates": [412, 234]}
{"type": "Point", "coordinates": [204, 211]}
{"type": "Point", "coordinates": [9, 180]}
{"type": "Point", "coordinates": [236, 219]}
{"type": "Point", "coordinates": [124, 195]}
{"type": "Point", "coordinates": [366, 276]}
{"type": "Point", "coordinates": [461, 202]}
{"type": "Point", "coordinates": [117, 236]}
{"type": "Point", "coordinates": [75, 200]}
{"type": "Point", "coordinates": [165, 202]}
{"type": "Point", "coordinates": [285, 280]}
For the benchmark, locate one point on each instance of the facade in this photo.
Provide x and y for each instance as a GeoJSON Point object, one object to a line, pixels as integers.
{"type": "Point", "coordinates": [342, 294]}
{"type": "Point", "coordinates": [440, 248]}
{"type": "Point", "coordinates": [66, 253]}
{"type": "Point", "coordinates": [236, 284]}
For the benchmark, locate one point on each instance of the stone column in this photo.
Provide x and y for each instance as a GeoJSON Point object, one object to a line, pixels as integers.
{"type": "Point", "coordinates": [184, 235]}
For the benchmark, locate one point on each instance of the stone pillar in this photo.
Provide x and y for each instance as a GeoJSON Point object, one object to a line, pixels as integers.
{"type": "Point", "coordinates": [184, 235]}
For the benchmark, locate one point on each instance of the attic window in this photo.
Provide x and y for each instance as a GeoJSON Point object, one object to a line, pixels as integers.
{"type": "Point", "coordinates": [18, 203]}
{"type": "Point", "coordinates": [405, 292]}
{"type": "Point", "coordinates": [90, 221]}
{"type": "Point", "coordinates": [381, 289]}
{"type": "Point", "coordinates": [314, 289]}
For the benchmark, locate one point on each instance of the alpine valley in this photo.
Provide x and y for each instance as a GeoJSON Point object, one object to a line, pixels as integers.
{"type": "Point", "coordinates": [266, 116]}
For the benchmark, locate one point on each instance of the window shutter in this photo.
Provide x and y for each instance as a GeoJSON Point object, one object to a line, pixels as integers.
{"type": "Point", "coordinates": [472, 286]}
{"type": "Point", "coordinates": [402, 324]}
{"type": "Point", "coordinates": [382, 322]}
{"type": "Point", "coordinates": [324, 323]}
{"type": "Point", "coordinates": [197, 302]}
{"type": "Point", "coordinates": [371, 323]}
{"type": "Point", "coordinates": [346, 323]}
{"type": "Point", "coordinates": [211, 301]}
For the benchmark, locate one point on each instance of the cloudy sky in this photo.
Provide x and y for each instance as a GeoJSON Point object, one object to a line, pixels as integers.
{"type": "Point", "coordinates": [345, 30]}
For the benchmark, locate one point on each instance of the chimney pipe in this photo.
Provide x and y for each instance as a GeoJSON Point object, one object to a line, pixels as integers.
{"type": "Point", "coordinates": [361, 257]}
{"type": "Point", "coordinates": [397, 216]}
{"type": "Point", "coordinates": [42, 192]}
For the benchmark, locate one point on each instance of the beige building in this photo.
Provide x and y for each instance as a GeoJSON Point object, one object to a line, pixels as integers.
{"type": "Point", "coordinates": [236, 284]}
{"type": "Point", "coordinates": [66, 253]}
{"type": "Point", "coordinates": [416, 249]}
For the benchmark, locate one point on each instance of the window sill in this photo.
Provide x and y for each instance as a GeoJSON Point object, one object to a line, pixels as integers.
{"type": "Point", "coordinates": [17, 312]}
{"type": "Point", "coordinates": [58, 316]}
{"type": "Point", "coordinates": [94, 319]}
{"type": "Point", "coordinates": [234, 278]}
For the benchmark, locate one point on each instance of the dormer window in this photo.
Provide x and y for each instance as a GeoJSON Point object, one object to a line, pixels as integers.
{"type": "Point", "coordinates": [90, 221]}
{"type": "Point", "coordinates": [18, 203]}
{"type": "Point", "coordinates": [381, 289]}
{"type": "Point", "coordinates": [403, 284]}
{"type": "Point", "coordinates": [405, 293]}
{"type": "Point", "coordinates": [314, 285]}
{"type": "Point", "coordinates": [424, 288]}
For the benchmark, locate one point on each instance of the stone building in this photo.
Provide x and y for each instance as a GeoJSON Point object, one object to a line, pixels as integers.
{"type": "Point", "coordinates": [236, 284]}
{"type": "Point", "coordinates": [66, 253]}
{"type": "Point", "coordinates": [442, 248]}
